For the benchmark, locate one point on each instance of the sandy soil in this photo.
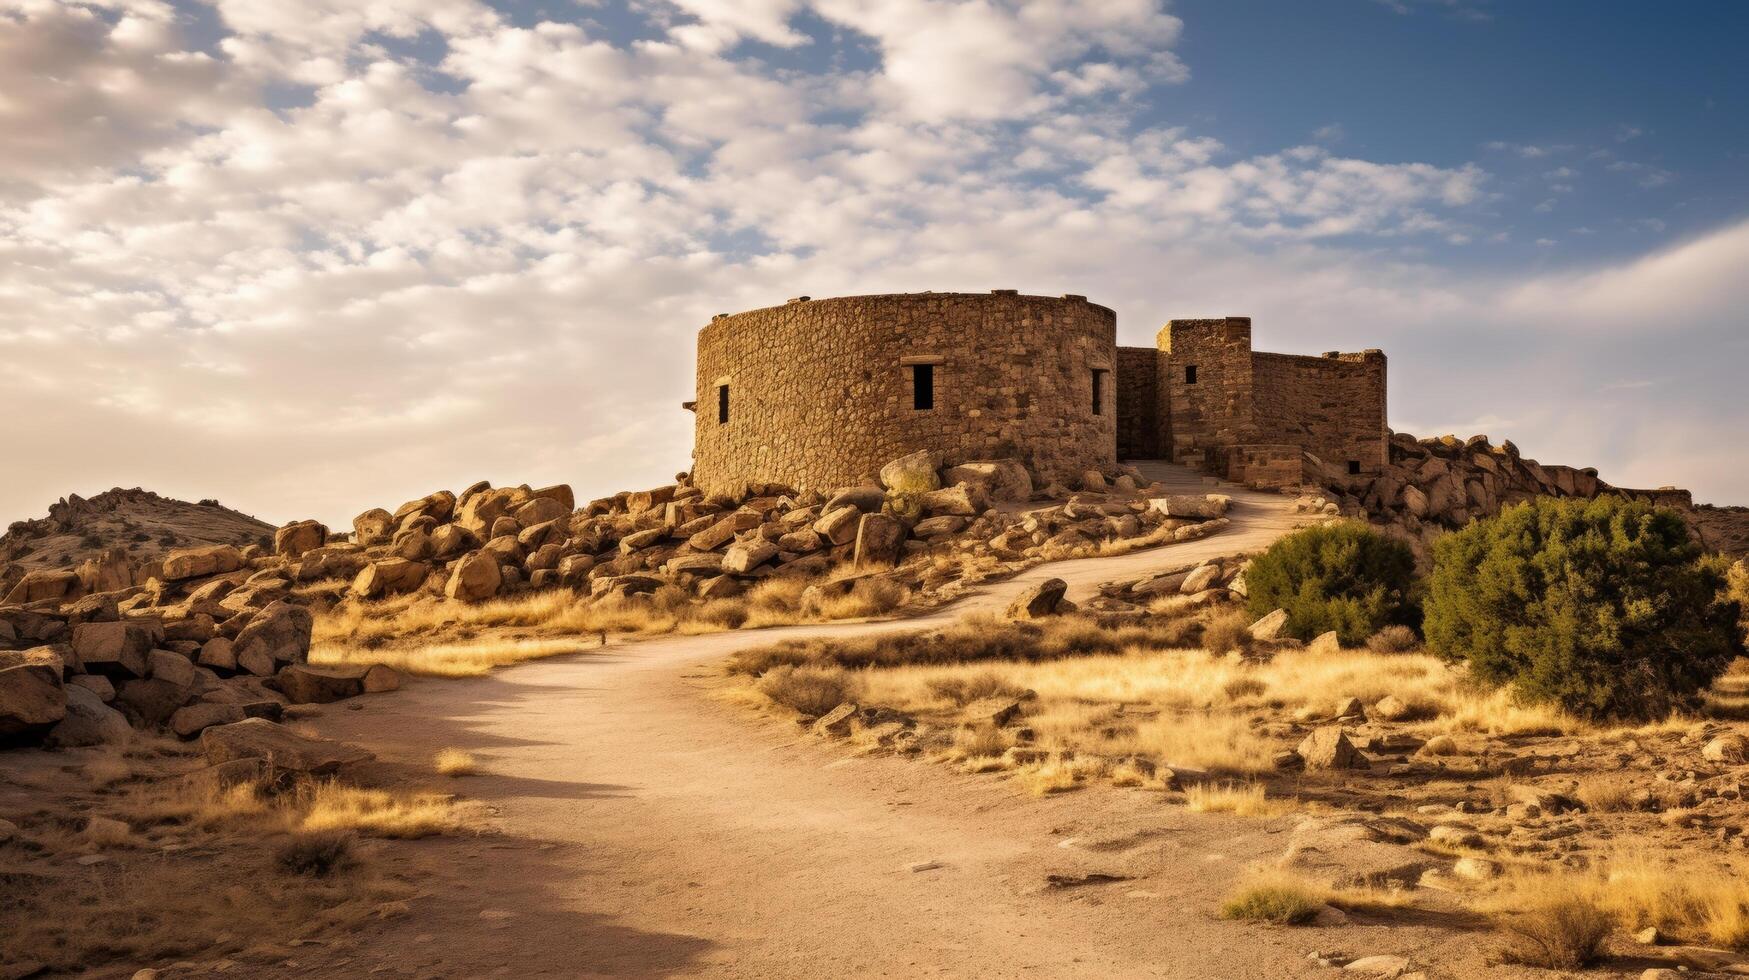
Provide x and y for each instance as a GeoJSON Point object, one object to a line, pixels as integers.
{"type": "Point", "coordinates": [650, 829]}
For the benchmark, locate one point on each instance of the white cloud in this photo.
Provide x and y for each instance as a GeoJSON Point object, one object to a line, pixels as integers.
{"type": "Point", "coordinates": [416, 275]}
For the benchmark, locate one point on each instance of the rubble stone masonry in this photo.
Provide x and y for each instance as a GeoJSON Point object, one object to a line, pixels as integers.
{"type": "Point", "coordinates": [819, 394]}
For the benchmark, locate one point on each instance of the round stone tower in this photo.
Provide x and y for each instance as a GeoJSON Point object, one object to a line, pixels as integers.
{"type": "Point", "coordinates": [819, 393]}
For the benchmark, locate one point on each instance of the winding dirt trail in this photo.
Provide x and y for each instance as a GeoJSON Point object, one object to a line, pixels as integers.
{"type": "Point", "coordinates": [650, 830]}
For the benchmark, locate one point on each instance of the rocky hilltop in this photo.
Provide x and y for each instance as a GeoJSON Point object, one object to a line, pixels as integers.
{"type": "Point", "coordinates": [1433, 485]}
{"type": "Point", "coordinates": [137, 526]}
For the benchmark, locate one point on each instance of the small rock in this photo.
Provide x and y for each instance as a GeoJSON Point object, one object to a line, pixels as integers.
{"type": "Point", "coordinates": [1728, 748]}
{"type": "Point", "coordinates": [837, 721]}
{"type": "Point", "coordinates": [1040, 600]}
{"type": "Point", "coordinates": [923, 866]}
{"type": "Point", "coordinates": [1475, 869]}
{"type": "Point", "coordinates": [1270, 626]}
{"type": "Point", "coordinates": [1391, 708]}
{"type": "Point", "coordinates": [1329, 748]}
{"type": "Point", "coordinates": [1649, 935]}
{"type": "Point", "coordinates": [1379, 966]}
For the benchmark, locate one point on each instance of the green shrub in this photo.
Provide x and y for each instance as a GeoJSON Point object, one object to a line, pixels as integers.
{"type": "Point", "coordinates": [1342, 576]}
{"type": "Point", "coordinates": [1605, 606]}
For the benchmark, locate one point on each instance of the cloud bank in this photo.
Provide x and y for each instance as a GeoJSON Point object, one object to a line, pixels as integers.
{"type": "Point", "coordinates": [319, 257]}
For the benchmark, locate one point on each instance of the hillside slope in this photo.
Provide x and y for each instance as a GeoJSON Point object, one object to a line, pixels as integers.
{"type": "Point", "coordinates": [137, 523]}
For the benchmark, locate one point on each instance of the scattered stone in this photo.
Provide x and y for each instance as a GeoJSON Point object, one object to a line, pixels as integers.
{"type": "Point", "coordinates": [1329, 748]}
{"type": "Point", "coordinates": [1728, 748]}
{"type": "Point", "coordinates": [1200, 579]}
{"type": "Point", "coordinates": [836, 722]}
{"type": "Point", "coordinates": [304, 684]}
{"type": "Point", "coordinates": [88, 721]}
{"type": "Point", "coordinates": [191, 720]}
{"type": "Point", "coordinates": [477, 576]}
{"type": "Point", "coordinates": [1475, 869]}
{"type": "Point", "coordinates": [381, 678]}
{"type": "Point", "coordinates": [1650, 936]}
{"type": "Point", "coordinates": [1039, 601]}
{"type": "Point", "coordinates": [1392, 708]}
{"type": "Point", "coordinates": [1325, 643]}
{"type": "Point", "coordinates": [1270, 626]}
{"type": "Point", "coordinates": [1379, 966]}
{"type": "Point", "coordinates": [31, 696]}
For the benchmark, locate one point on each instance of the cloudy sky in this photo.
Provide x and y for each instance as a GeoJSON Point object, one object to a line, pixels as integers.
{"type": "Point", "coordinates": [312, 257]}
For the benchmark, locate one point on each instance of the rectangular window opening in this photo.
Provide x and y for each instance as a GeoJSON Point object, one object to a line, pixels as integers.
{"type": "Point", "coordinates": [1354, 467]}
{"type": "Point", "coordinates": [1190, 374]}
{"type": "Point", "coordinates": [1099, 391]}
{"type": "Point", "coordinates": [922, 387]}
{"type": "Point", "coordinates": [722, 404]}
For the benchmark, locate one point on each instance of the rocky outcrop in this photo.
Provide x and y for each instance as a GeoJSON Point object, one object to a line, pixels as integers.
{"type": "Point", "coordinates": [1433, 485]}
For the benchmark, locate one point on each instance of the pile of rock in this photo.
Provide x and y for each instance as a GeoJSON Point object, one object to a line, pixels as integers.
{"type": "Point", "coordinates": [1431, 485]}
{"type": "Point", "coordinates": [216, 634]}
{"type": "Point", "coordinates": [215, 641]}
{"type": "Point", "coordinates": [484, 542]}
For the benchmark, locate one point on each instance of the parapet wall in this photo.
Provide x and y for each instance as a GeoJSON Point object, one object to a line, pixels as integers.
{"type": "Point", "coordinates": [821, 392]}
{"type": "Point", "coordinates": [1331, 406]}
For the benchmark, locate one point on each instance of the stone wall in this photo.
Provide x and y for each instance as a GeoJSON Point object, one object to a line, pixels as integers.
{"type": "Point", "coordinates": [1138, 425]}
{"type": "Point", "coordinates": [1331, 406]}
{"type": "Point", "coordinates": [1214, 409]}
{"type": "Point", "coordinates": [820, 392]}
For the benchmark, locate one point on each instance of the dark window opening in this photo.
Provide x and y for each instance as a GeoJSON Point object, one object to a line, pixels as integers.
{"type": "Point", "coordinates": [1098, 391]}
{"type": "Point", "coordinates": [1354, 467]}
{"type": "Point", "coordinates": [922, 387]}
{"type": "Point", "coordinates": [722, 404]}
{"type": "Point", "coordinates": [1190, 374]}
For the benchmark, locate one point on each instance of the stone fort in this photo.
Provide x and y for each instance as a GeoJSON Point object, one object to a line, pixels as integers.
{"type": "Point", "coordinates": [819, 393]}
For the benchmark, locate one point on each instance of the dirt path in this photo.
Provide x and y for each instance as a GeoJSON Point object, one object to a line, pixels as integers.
{"type": "Point", "coordinates": [652, 830]}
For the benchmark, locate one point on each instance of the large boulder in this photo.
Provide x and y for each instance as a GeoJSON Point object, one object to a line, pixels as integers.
{"type": "Point", "coordinates": [1039, 600]}
{"type": "Point", "coordinates": [31, 696]}
{"type": "Point", "coordinates": [912, 473]}
{"type": "Point", "coordinates": [258, 738]}
{"type": "Point", "coordinates": [298, 537]}
{"type": "Point", "coordinates": [476, 577]}
{"type": "Point", "coordinates": [1270, 626]}
{"type": "Point", "coordinates": [168, 665]}
{"type": "Point", "coordinates": [838, 526]}
{"type": "Point", "coordinates": [191, 720]}
{"type": "Point", "coordinates": [304, 684]}
{"type": "Point", "coordinates": [540, 510]}
{"type": "Point", "coordinates": [438, 506]}
{"type": "Point", "coordinates": [277, 635]}
{"type": "Point", "coordinates": [116, 649]}
{"type": "Point", "coordinates": [961, 499]}
{"type": "Point", "coordinates": [44, 584]}
{"type": "Point", "coordinates": [201, 562]}
{"type": "Point", "coordinates": [1206, 507]}
{"type": "Point", "coordinates": [374, 526]}
{"type": "Point", "coordinates": [88, 722]}
{"type": "Point", "coordinates": [1000, 479]}
{"type": "Point", "coordinates": [744, 556]}
{"type": "Point", "coordinates": [391, 576]}
{"type": "Point", "coordinates": [878, 539]}
{"type": "Point", "coordinates": [149, 703]}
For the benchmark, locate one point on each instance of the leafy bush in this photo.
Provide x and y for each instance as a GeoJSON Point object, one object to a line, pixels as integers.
{"type": "Point", "coordinates": [1343, 576]}
{"type": "Point", "coordinates": [1558, 932]}
{"type": "Point", "coordinates": [1605, 607]}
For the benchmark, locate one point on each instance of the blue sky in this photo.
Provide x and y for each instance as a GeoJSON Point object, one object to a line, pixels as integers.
{"type": "Point", "coordinates": [318, 257]}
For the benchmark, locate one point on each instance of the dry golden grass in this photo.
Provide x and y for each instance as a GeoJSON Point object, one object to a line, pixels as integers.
{"type": "Point", "coordinates": [1698, 898]}
{"type": "Point", "coordinates": [429, 636]}
{"type": "Point", "coordinates": [1058, 775]}
{"type": "Point", "coordinates": [284, 861]}
{"type": "Point", "coordinates": [1282, 898]}
{"type": "Point", "coordinates": [1239, 799]}
{"type": "Point", "coordinates": [464, 658]}
{"type": "Point", "coordinates": [377, 813]}
{"type": "Point", "coordinates": [1604, 794]}
{"type": "Point", "coordinates": [455, 762]}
